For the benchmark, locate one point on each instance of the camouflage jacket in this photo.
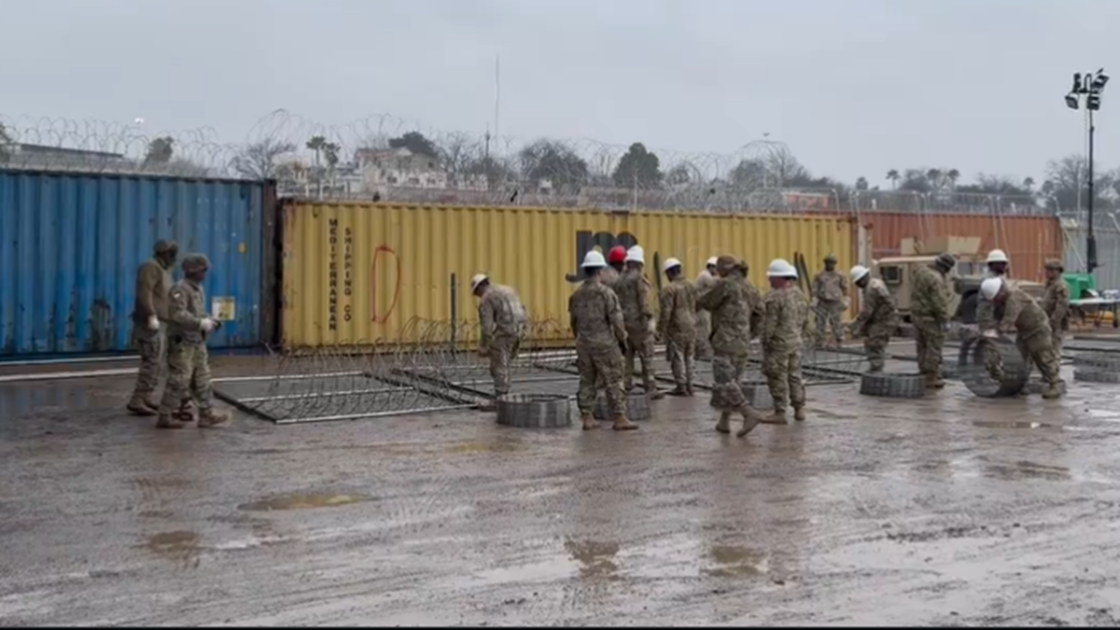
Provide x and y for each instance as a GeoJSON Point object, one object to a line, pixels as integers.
{"type": "Point", "coordinates": [677, 318]}
{"type": "Point", "coordinates": [830, 286]}
{"type": "Point", "coordinates": [633, 294]}
{"type": "Point", "coordinates": [787, 320]}
{"type": "Point", "coordinates": [500, 315]}
{"type": "Point", "coordinates": [929, 297]}
{"type": "Point", "coordinates": [878, 310]}
{"type": "Point", "coordinates": [1055, 301]}
{"type": "Point", "coordinates": [596, 316]}
{"type": "Point", "coordinates": [1022, 314]}
{"type": "Point", "coordinates": [610, 276]}
{"type": "Point", "coordinates": [153, 283]}
{"type": "Point", "coordinates": [986, 312]}
{"type": "Point", "coordinates": [186, 310]}
{"type": "Point", "coordinates": [733, 308]}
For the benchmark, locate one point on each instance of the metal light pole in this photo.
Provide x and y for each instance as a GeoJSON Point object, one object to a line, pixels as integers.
{"type": "Point", "coordinates": [1089, 86]}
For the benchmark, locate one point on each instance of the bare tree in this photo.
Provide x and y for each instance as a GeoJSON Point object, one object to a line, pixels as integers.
{"type": "Point", "coordinates": [458, 152]}
{"type": "Point", "coordinates": [259, 160]}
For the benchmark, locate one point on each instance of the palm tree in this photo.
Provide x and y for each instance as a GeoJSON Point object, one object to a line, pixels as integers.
{"type": "Point", "coordinates": [894, 177]}
{"type": "Point", "coordinates": [317, 144]}
{"type": "Point", "coordinates": [953, 176]}
{"type": "Point", "coordinates": [933, 176]}
{"type": "Point", "coordinates": [861, 184]}
{"type": "Point", "coordinates": [1028, 183]}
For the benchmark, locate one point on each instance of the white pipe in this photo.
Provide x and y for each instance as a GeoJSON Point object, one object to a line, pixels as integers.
{"type": "Point", "coordinates": [77, 360]}
{"type": "Point", "coordinates": [58, 376]}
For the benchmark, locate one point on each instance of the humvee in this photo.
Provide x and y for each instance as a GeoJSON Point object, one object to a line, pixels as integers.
{"type": "Point", "coordinates": [897, 272]}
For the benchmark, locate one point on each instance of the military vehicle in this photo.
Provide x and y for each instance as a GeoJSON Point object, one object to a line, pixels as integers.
{"type": "Point", "coordinates": [897, 272]}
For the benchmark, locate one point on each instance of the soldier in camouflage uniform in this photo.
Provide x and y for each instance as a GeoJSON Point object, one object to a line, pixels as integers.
{"type": "Point", "coordinates": [1055, 301]}
{"type": "Point", "coordinates": [633, 291]}
{"type": "Point", "coordinates": [596, 320]}
{"type": "Point", "coordinates": [153, 281]}
{"type": "Point", "coordinates": [929, 312]}
{"type": "Point", "coordinates": [677, 326]}
{"type": "Point", "coordinates": [704, 281]}
{"type": "Point", "coordinates": [830, 300]}
{"type": "Point", "coordinates": [877, 319]}
{"type": "Point", "coordinates": [735, 313]}
{"type": "Point", "coordinates": [188, 363]}
{"type": "Point", "coordinates": [1018, 313]}
{"type": "Point", "coordinates": [502, 323]}
{"type": "Point", "coordinates": [616, 265]}
{"type": "Point", "coordinates": [997, 263]}
{"type": "Point", "coordinates": [784, 328]}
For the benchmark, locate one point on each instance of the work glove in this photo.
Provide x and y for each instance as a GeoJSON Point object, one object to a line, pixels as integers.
{"type": "Point", "coordinates": [209, 325]}
{"type": "Point", "coordinates": [847, 303]}
{"type": "Point", "coordinates": [153, 322]}
{"type": "Point", "coordinates": [991, 333]}
{"type": "Point", "coordinates": [813, 303]}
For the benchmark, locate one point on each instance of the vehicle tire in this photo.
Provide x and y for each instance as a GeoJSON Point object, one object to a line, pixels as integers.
{"type": "Point", "coordinates": [892, 385]}
{"type": "Point", "coordinates": [968, 308]}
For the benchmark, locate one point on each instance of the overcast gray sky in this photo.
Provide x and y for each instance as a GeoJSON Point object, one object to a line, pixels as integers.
{"type": "Point", "coordinates": [854, 87]}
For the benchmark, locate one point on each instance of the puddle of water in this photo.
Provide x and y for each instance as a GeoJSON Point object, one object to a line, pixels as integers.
{"type": "Point", "coordinates": [993, 424]}
{"type": "Point", "coordinates": [301, 502]}
{"type": "Point", "coordinates": [484, 447]}
{"type": "Point", "coordinates": [180, 547]}
{"type": "Point", "coordinates": [736, 561]}
{"type": "Point", "coordinates": [596, 559]}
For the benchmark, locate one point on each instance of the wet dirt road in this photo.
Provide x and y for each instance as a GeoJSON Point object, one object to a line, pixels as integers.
{"type": "Point", "coordinates": [951, 510]}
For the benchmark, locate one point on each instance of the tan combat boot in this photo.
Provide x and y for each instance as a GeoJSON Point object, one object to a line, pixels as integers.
{"type": "Point", "coordinates": [689, 390]}
{"type": "Point", "coordinates": [751, 418]}
{"type": "Point", "coordinates": [1053, 391]}
{"type": "Point", "coordinates": [209, 418]}
{"type": "Point", "coordinates": [679, 390]}
{"type": "Point", "coordinates": [589, 422]}
{"type": "Point", "coordinates": [799, 414]}
{"type": "Point", "coordinates": [656, 394]}
{"type": "Point", "coordinates": [934, 382]}
{"type": "Point", "coordinates": [724, 424]}
{"type": "Point", "coordinates": [167, 422]}
{"type": "Point", "coordinates": [778, 417]}
{"type": "Point", "coordinates": [140, 407]}
{"type": "Point", "coordinates": [622, 424]}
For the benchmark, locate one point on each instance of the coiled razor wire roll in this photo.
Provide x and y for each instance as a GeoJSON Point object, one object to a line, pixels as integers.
{"type": "Point", "coordinates": [535, 411]}
{"type": "Point", "coordinates": [974, 372]}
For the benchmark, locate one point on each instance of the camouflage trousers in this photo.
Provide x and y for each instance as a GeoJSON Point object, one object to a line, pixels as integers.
{"type": "Point", "coordinates": [640, 344]}
{"type": "Point", "coordinates": [929, 340]}
{"type": "Point", "coordinates": [828, 315]}
{"type": "Point", "coordinates": [703, 334]}
{"type": "Point", "coordinates": [681, 354]}
{"type": "Point", "coordinates": [151, 344]}
{"type": "Point", "coordinates": [1056, 342]}
{"type": "Point", "coordinates": [727, 377]}
{"type": "Point", "coordinates": [782, 369]}
{"type": "Point", "coordinates": [599, 364]}
{"type": "Point", "coordinates": [875, 341]}
{"type": "Point", "coordinates": [188, 375]}
{"type": "Point", "coordinates": [502, 351]}
{"type": "Point", "coordinates": [1038, 350]}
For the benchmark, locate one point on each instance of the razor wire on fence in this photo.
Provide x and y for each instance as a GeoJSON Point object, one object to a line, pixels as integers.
{"type": "Point", "coordinates": [384, 158]}
{"type": "Point", "coordinates": [434, 366]}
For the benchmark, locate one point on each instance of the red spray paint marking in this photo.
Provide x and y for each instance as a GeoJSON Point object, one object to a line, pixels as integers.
{"type": "Point", "coordinates": [384, 250]}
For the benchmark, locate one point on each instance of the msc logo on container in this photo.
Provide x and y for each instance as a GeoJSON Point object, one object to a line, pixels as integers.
{"type": "Point", "coordinates": [586, 240]}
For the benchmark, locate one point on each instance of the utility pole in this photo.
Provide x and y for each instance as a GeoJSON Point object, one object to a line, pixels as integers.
{"type": "Point", "coordinates": [1088, 86]}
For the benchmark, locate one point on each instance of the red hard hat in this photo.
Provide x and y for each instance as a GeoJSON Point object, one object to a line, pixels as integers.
{"type": "Point", "coordinates": [616, 255]}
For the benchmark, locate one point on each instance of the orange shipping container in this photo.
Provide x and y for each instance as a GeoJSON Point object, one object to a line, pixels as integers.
{"type": "Point", "coordinates": [1027, 240]}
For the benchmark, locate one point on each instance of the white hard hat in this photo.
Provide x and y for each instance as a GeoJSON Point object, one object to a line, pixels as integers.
{"type": "Point", "coordinates": [478, 279]}
{"type": "Point", "coordinates": [990, 287]}
{"type": "Point", "coordinates": [636, 254]}
{"type": "Point", "coordinates": [858, 272]}
{"type": "Point", "coordinates": [780, 268]}
{"type": "Point", "coordinates": [672, 262]}
{"type": "Point", "coordinates": [712, 261]}
{"type": "Point", "coordinates": [997, 256]}
{"type": "Point", "coordinates": [593, 259]}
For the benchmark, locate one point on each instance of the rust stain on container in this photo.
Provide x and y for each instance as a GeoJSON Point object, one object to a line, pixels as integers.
{"type": "Point", "coordinates": [358, 273]}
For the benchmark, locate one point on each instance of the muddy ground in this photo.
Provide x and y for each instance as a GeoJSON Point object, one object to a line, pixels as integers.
{"type": "Point", "coordinates": [951, 510]}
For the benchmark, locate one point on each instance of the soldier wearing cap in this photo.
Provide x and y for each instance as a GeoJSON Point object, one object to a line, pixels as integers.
{"type": "Point", "coordinates": [188, 363]}
{"type": "Point", "coordinates": [153, 282]}
{"type": "Point", "coordinates": [1055, 301]}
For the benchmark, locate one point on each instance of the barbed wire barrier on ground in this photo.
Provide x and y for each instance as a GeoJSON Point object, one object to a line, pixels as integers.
{"type": "Point", "coordinates": [438, 368]}
{"type": "Point", "coordinates": [389, 159]}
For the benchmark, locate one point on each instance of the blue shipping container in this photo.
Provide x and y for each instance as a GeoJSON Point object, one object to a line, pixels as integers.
{"type": "Point", "coordinates": [70, 245]}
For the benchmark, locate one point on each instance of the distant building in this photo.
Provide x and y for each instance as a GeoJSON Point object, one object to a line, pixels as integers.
{"type": "Point", "coordinates": [384, 168]}
{"type": "Point", "coordinates": [44, 157]}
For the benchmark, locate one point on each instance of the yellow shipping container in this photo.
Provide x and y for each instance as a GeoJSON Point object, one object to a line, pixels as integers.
{"type": "Point", "coordinates": [357, 273]}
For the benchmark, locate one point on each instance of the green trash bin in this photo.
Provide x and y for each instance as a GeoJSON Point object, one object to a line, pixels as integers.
{"type": "Point", "coordinates": [1079, 284]}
